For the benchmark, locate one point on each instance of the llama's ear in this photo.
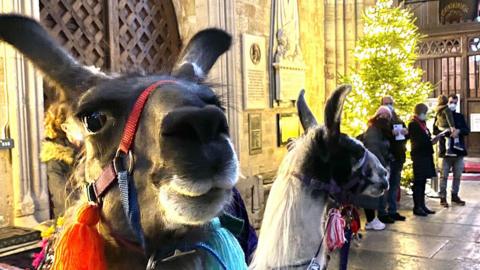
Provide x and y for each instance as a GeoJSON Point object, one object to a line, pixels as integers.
{"type": "Point", "coordinates": [201, 53]}
{"type": "Point", "coordinates": [304, 113]}
{"type": "Point", "coordinates": [33, 41]}
{"type": "Point", "coordinates": [333, 110]}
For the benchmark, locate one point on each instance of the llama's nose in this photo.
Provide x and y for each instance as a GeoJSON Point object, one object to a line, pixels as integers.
{"type": "Point", "coordinates": [384, 178]}
{"type": "Point", "coordinates": [385, 185]}
{"type": "Point", "coordinates": [193, 123]}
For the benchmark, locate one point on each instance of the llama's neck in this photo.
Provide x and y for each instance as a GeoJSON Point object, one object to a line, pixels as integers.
{"type": "Point", "coordinates": [292, 227]}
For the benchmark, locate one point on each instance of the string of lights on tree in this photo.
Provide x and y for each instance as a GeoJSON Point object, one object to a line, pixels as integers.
{"type": "Point", "coordinates": [384, 56]}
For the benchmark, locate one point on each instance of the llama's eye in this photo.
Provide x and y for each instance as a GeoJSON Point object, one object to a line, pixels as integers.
{"type": "Point", "coordinates": [94, 121]}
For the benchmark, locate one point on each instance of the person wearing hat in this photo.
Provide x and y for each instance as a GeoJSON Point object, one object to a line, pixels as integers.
{"type": "Point", "coordinates": [377, 140]}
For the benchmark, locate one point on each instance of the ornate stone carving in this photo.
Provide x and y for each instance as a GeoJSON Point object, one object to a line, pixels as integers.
{"type": "Point", "coordinates": [288, 59]}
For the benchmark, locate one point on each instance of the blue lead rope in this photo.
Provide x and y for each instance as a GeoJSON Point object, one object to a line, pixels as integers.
{"type": "Point", "coordinates": [129, 200]}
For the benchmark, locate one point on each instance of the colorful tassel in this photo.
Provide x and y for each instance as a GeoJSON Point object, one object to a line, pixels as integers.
{"type": "Point", "coordinates": [335, 232]}
{"type": "Point", "coordinates": [224, 243]}
{"type": "Point", "coordinates": [40, 256]}
{"type": "Point", "coordinates": [81, 247]}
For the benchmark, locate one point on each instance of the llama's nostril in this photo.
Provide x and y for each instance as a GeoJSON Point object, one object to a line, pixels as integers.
{"type": "Point", "coordinates": [383, 174]}
{"type": "Point", "coordinates": [192, 123]}
{"type": "Point", "coordinates": [385, 185]}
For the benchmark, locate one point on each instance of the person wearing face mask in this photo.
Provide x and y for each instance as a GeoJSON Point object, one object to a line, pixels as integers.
{"type": "Point", "coordinates": [444, 122]}
{"type": "Point", "coordinates": [449, 162]}
{"type": "Point", "coordinates": [422, 158]}
{"type": "Point", "coordinates": [377, 140]}
{"type": "Point", "coordinates": [397, 147]}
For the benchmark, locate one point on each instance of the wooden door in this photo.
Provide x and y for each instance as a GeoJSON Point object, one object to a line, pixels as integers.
{"type": "Point", "coordinates": [452, 64]}
{"type": "Point", "coordinates": [472, 101]}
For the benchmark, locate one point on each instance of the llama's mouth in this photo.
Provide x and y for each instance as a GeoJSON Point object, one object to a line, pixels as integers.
{"type": "Point", "coordinates": [181, 208]}
{"type": "Point", "coordinates": [376, 189]}
{"type": "Point", "coordinates": [373, 192]}
{"type": "Point", "coordinates": [201, 183]}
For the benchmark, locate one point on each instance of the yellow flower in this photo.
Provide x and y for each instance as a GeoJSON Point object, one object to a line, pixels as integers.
{"type": "Point", "coordinates": [48, 232]}
{"type": "Point", "coordinates": [60, 221]}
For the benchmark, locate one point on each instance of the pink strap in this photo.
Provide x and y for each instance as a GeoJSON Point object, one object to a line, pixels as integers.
{"type": "Point", "coordinates": [335, 231]}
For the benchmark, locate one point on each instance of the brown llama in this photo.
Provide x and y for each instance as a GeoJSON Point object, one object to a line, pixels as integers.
{"type": "Point", "coordinates": [182, 162]}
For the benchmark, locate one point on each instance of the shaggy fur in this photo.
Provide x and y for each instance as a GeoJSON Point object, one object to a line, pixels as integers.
{"type": "Point", "coordinates": [293, 220]}
{"type": "Point", "coordinates": [55, 151]}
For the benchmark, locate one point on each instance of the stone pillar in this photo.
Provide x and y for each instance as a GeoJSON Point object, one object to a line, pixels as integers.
{"type": "Point", "coordinates": [6, 204]}
{"type": "Point", "coordinates": [312, 40]}
{"type": "Point", "coordinates": [330, 47]}
{"type": "Point", "coordinates": [340, 37]}
{"type": "Point", "coordinates": [360, 6]}
{"type": "Point", "coordinates": [25, 105]}
{"type": "Point", "coordinates": [350, 34]}
{"type": "Point", "coordinates": [343, 26]}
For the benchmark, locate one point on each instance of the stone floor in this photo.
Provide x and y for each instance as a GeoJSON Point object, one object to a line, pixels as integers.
{"type": "Point", "coordinates": [448, 240]}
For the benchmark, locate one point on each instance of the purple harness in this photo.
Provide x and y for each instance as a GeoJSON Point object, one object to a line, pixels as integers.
{"type": "Point", "coordinates": [339, 193]}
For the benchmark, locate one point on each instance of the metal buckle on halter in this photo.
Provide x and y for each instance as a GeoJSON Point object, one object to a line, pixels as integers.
{"type": "Point", "coordinates": [123, 161]}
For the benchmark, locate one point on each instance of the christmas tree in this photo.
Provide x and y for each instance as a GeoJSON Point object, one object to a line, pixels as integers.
{"type": "Point", "coordinates": [385, 56]}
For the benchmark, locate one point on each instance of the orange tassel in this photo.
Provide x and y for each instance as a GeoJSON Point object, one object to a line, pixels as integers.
{"type": "Point", "coordinates": [81, 246]}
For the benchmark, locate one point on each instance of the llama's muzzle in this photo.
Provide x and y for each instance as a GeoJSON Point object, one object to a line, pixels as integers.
{"type": "Point", "coordinates": [195, 124]}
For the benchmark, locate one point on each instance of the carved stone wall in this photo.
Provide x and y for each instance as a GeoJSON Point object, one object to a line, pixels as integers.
{"type": "Point", "coordinates": [312, 37]}
{"type": "Point", "coordinates": [6, 204]}
{"type": "Point", "coordinates": [25, 184]}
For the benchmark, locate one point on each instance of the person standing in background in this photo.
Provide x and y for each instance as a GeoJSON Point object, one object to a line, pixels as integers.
{"type": "Point", "coordinates": [452, 162]}
{"type": "Point", "coordinates": [444, 122]}
{"type": "Point", "coordinates": [422, 158]}
{"type": "Point", "coordinates": [377, 140]}
{"type": "Point", "coordinates": [397, 148]}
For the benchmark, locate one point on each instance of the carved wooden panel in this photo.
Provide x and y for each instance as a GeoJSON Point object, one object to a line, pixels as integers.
{"type": "Point", "coordinates": [440, 47]}
{"type": "Point", "coordinates": [120, 35]}
{"type": "Point", "coordinates": [80, 26]}
{"type": "Point", "coordinates": [148, 35]}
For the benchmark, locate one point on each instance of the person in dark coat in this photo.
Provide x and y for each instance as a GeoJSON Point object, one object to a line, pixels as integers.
{"type": "Point", "coordinates": [422, 158]}
{"type": "Point", "coordinates": [452, 162]}
{"type": "Point", "coordinates": [397, 148]}
{"type": "Point", "coordinates": [59, 152]}
{"type": "Point", "coordinates": [377, 140]}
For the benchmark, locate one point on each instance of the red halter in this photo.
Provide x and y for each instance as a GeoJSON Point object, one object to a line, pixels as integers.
{"type": "Point", "coordinates": [98, 189]}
